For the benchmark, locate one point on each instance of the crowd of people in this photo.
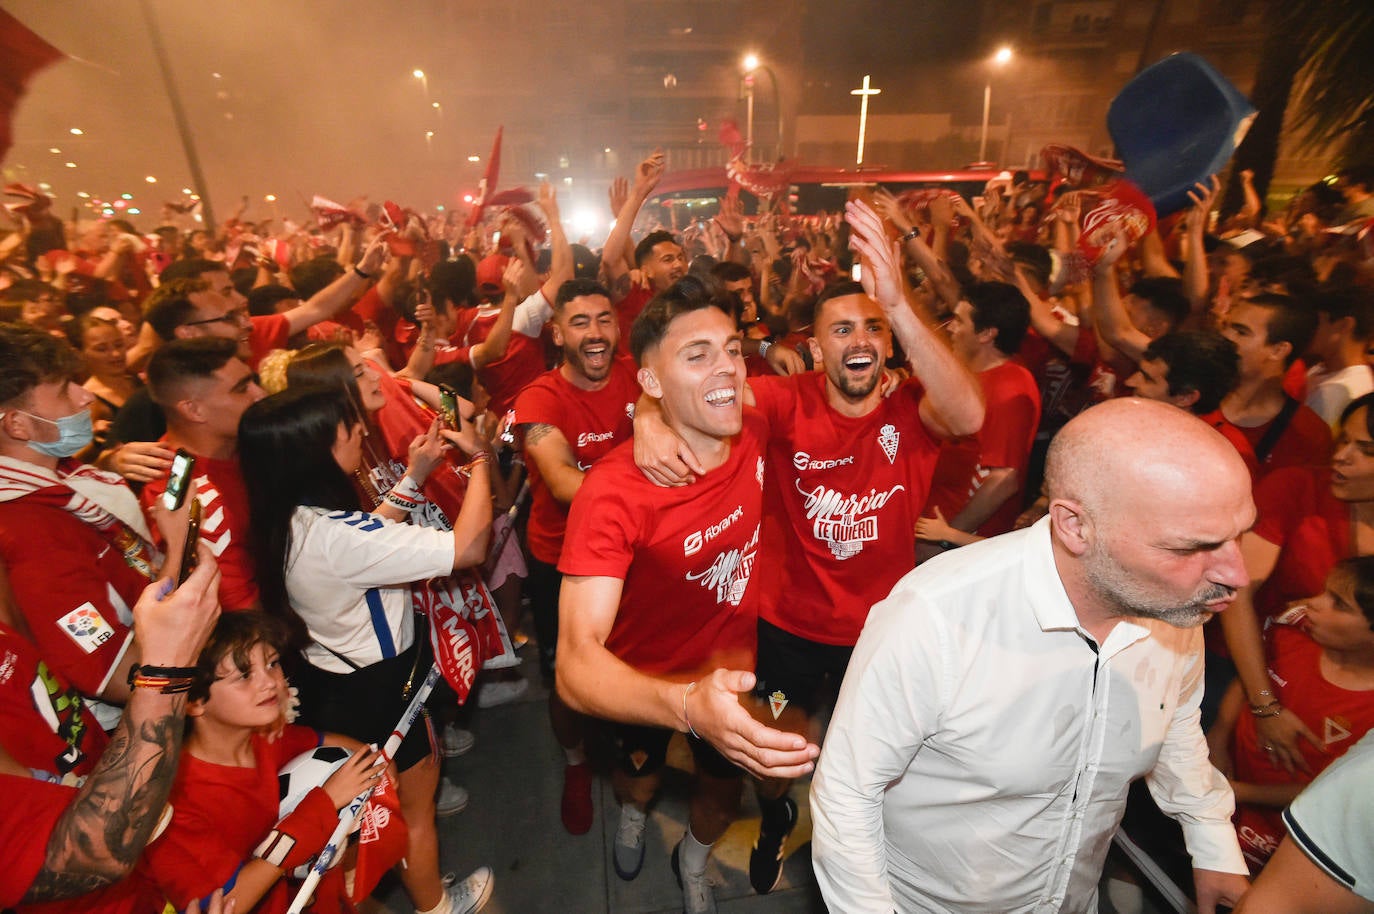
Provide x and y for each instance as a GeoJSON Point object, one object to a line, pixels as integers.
{"type": "Point", "coordinates": [1037, 515]}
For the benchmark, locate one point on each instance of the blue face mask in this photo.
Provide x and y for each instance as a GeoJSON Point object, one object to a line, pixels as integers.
{"type": "Point", "coordinates": [73, 433]}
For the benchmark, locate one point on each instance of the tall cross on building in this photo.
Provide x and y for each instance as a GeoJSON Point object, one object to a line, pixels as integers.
{"type": "Point", "coordinates": [863, 92]}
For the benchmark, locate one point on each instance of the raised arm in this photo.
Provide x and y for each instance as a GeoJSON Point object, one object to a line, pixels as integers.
{"type": "Point", "coordinates": [1108, 312]}
{"type": "Point", "coordinates": [1195, 279]}
{"type": "Point", "coordinates": [922, 254]}
{"type": "Point", "coordinates": [493, 348]}
{"type": "Point", "coordinates": [647, 175]}
{"type": "Point", "coordinates": [561, 259]}
{"type": "Point", "coordinates": [101, 835]}
{"type": "Point", "coordinates": [340, 293]}
{"type": "Point", "coordinates": [953, 401]}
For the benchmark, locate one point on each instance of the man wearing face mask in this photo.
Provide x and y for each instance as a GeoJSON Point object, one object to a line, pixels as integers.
{"type": "Point", "coordinates": [76, 546]}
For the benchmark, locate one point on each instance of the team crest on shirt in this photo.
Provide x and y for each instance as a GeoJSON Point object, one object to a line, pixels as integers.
{"type": "Point", "coordinates": [630, 410]}
{"type": "Point", "coordinates": [845, 522]}
{"type": "Point", "coordinates": [87, 627]}
{"type": "Point", "coordinates": [888, 437]}
{"type": "Point", "coordinates": [758, 472]}
{"type": "Point", "coordinates": [777, 701]}
{"type": "Point", "coordinates": [1335, 730]}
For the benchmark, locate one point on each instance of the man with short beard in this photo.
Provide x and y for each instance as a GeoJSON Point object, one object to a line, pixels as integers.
{"type": "Point", "coordinates": [1003, 697]}
{"type": "Point", "coordinates": [570, 417]}
{"type": "Point", "coordinates": [849, 469]}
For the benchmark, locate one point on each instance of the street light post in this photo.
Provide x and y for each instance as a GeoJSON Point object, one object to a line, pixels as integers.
{"type": "Point", "coordinates": [1001, 58]}
{"type": "Point", "coordinates": [752, 65]}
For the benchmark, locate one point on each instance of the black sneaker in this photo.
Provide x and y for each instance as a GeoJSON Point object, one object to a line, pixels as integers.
{"type": "Point", "coordinates": [765, 861]}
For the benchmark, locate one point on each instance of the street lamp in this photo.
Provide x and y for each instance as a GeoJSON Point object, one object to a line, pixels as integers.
{"type": "Point", "coordinates": [752, 64]}
{"type": "Point", "coordinates": [1000, 59]}
{"type": "Point", "coordinates": [424, 80]}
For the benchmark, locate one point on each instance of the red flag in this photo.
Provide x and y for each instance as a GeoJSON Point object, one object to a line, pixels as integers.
{"type": "Point", "coordinates": [487, 189]}
{"type": "Point", "coordinates": [455, 641]}
{"type": "Point", "coordinates": [382, 839]}
{"type": "Point", "coordinates": [22, 54]}
{"type": "Point", "coordinates": [1123, 208]}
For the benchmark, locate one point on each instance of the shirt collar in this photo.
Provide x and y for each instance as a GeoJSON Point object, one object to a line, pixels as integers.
{"type": "Point", "coordinates": [1050, 601]}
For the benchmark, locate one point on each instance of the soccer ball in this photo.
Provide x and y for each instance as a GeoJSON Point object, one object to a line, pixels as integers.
{"type": "Point", "coordinates": [303, 774]}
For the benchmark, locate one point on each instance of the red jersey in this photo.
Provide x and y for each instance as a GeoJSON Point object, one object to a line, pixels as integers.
{"type": "Point", "coordinates": [842, 502]}
{"type": "Point", "coordinates": [224, 526]}
{"type": "Point", "coordinates": [1005, 440]}
{"type": "Point", "coordinates": [73, 587]}
{"type": "Point", "coordinates": [686, 555]}
{"type": "Point", "coordinates": [593, 421]}
{"type": "Point", "coordinates": [1306, 442]}
{"type": "Point", "coordinates": [627, 309]}
{"type": "Point", "coordinates": [44, 722]}
{"type": "Point", "coordinates": [1297, 512]}
{"type": "Point", "coordinates": [1237, 438]}
{"type": "Point", "coordinates": [219, 814]}
{"type": "Point", "coordinates": [270, 331]}
{"type": "Point", "coordinates": [1339, 716]}
{"type": "Point", "coordinates": [510, 374]}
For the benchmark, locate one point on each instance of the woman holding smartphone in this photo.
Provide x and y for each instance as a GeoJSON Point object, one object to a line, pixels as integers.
{"type": "Point", "coordinates": [337, 573]}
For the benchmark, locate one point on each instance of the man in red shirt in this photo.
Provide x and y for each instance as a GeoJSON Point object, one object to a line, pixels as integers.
{"type": "Point", "coordinates": [1194, 370]}
{"type": "Point", "coordinates": [1270, 332]}
{"type": "Point", "coordinates": [203, 390]}
{"type": "Point", "coordinates": [849, 470]}
{"type": "Point", "coordinates": [980, 480]}
{"type": "Point", "coordinates": [569, 418]}
{"type": "Point", "coordinates": [658, 610]}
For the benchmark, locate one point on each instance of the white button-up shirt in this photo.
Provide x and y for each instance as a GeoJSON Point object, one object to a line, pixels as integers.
{"type": "Point", "coordinates": [983, 744]}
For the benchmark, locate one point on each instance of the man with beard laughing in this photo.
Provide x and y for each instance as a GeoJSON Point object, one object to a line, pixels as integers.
{"type": "Point", "coordinates": [570, 417]}
{"type": "Point", "coordinates": [1004, 696]}
{"type": "Point", "coordinates": [849, 470]}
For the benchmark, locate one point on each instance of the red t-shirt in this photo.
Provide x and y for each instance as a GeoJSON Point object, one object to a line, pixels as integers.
{"type": "Point", "coordinates": [43, 723]}
{"type": "Point", "coordinates": [219, 814]}
{"type": "Point", "coordinates": [1306, 442]}
{"type": "Point", "coordinates": [627, 309]}
{"type": "Point", "coordinates": [1297, 512]}
{"type": "Point", "coordinates": [27, 819]}
{"type": "Point", "coordinates": [510, 374]}
{"type": "Point", "coordinates": [842, 502]}
{"type": "Point", "coordinates": [270, 331]}
{"type": "Point", "coordinates": [72, 586]}
{"type": "Point", "coordinates": [593, 421]}
{"type": "Point", "coordinates": [1237, 438]}
{"type": "Point", "coordinates": [399, 421]}
{"type": "Point", "coordinates": [1339, 716]}
{"type": "Point", "coordinates": [224, 527]}
{"type": "Point", "coordinates": [686, 555]}
{"type": "Point", "coordinates": [1005, 440]}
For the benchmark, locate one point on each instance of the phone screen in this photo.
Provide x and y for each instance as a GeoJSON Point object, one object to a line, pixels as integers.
{"type": "Point", "coordinates": [178, 480]}
{"type": "Point", "coordinates": [448, 405]}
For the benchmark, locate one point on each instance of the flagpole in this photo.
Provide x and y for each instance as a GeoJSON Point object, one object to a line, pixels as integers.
{"type": "Point", "coordinates": [179, 113]}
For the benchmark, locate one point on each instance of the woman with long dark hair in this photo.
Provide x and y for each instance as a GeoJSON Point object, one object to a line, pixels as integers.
{"type": "Point", "coordinates": [340, 577]}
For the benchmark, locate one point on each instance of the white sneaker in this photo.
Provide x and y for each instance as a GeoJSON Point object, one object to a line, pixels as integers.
{"type": "Point", "coordinates": [472, 894]}
{"type": "Point", "coordinates": [697, 895]}
{"type": "Point", "coordinates": [491, 694]}
{"type": "Point", "coordinates": [456, 741]}
{"type": "Point", "coordinates": [451, 800]}
{"type": "Point", "coordinates": [627, 854]}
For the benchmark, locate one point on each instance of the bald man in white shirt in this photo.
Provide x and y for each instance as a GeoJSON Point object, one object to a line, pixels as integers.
{"type": "Point", "coordinates": [1004, 696]}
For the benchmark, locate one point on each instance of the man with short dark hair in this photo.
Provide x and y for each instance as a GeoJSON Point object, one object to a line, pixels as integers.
{"type": "Point", "coordinates": [1345, 325]}
{"type": "Point", "coordinates": [203, 389]}
{"type": "Point", "coordinates": [979, 481]}
{"type": "Point", "coordinates": [568, 418]}
{"type": "Point", "coordinates": [658, 608]}
{"type": "Point", "coordinates": [75, 544]}
{"type": "Point", "coordinates": [1270, 332]}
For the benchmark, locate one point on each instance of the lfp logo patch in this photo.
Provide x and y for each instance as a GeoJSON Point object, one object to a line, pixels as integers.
{"type": "Point", "coordinates": [87, 627]}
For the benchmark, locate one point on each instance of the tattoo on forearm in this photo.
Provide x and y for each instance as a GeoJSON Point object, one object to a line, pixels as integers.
{"type": "Point", "coordinates": [620, 287]}
{"type": "Point", "coordinates": [536, 432]}
{"type": "Point", "coordinates": [101, 835]}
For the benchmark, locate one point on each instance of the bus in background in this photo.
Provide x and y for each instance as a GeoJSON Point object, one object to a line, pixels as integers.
{"type": "Point", "coordinates": [684, 196]}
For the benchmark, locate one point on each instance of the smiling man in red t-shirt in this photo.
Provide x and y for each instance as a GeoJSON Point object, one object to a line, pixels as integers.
{"type": "Point", "coordinates": [658, 610]}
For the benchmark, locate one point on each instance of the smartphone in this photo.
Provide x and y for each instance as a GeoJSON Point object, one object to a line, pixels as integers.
{"type": "Point", "coordinates": [189, 556]}
{"type": "Point", "coordinates": [178, 480]}
{"type": "Point", "coordinates": [448, 405]}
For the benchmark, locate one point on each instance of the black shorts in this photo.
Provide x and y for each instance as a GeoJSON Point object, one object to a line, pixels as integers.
{"type": "Point", "coordinates": [542, 586]}
{"type": "Point", "coordinates": [644, 750]}
{"type": "Point", "coordinates": [366, 704]}
{"type": "Point", "coordinates": [801, 669]}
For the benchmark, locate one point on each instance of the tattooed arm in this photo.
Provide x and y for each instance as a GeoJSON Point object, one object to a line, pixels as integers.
{"type": "Point", "coordinates": [102, 833]}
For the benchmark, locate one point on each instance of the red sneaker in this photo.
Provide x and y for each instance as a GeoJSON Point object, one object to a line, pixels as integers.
{"type": "Point", "coordinates": [577, 798]}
